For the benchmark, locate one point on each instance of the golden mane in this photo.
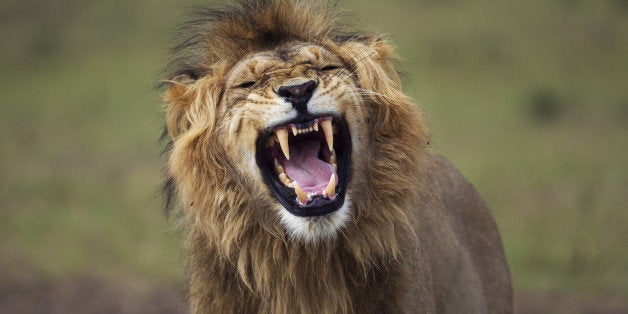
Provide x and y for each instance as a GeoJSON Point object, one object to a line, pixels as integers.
{"type": "Point", "coordinates": [239, 258]}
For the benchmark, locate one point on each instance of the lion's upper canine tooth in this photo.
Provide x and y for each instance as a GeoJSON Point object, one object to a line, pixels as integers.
{"type": "Point", "coordinates": [301, 195]}
{"type": "Point", "coordinates": [282, 137]}
{"type": "Point", "coordinates": [331, 186]}
{"type": "Point", "coordinates": [329, 135]}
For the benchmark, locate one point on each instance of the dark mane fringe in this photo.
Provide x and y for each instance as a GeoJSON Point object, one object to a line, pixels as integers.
{"type": "Point", "coordinates": [168, 188]}
{"type": "Point", "coordinates": [225, 32]}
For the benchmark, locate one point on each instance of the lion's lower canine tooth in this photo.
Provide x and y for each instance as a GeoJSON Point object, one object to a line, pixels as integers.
{"type": "Point", "coordinates": [331, 186]}
{"type": "Point", "coordinates": [329, 135]}
{"type": "Point", "coordinates": [282, 136]}
{"type": "Point", "coordinates": [301, 195]}
{"type": "Point", "coordinates": [284, 178]}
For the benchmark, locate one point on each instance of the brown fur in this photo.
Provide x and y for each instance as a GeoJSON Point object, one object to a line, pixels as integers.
{"type": "Point", "coordinates": [419, 238]}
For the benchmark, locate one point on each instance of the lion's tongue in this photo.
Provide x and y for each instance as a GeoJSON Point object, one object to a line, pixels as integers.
{"type": "Point", "coordinates": [304, 166]}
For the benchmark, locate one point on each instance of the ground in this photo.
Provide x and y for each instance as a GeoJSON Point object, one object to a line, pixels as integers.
{"type": "Point", "coordinates": [91, 296]}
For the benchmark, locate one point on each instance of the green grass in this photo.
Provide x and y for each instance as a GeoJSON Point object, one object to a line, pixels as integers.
{"type": "Point", "coordinates": [527, 98]}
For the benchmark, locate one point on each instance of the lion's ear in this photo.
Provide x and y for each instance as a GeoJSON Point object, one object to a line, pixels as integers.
{"type": "Point", "coordinates": [178, 98]}
{"type": "Point", "coordinates": [190, 102]}
{"type": "Point", "coordinates": [371, 60]}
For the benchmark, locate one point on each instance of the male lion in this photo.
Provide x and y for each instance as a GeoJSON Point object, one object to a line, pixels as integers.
{"type": "Point", "coordinates": [305, 177]}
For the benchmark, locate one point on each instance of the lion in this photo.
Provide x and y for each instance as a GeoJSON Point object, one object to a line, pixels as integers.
{"type": "Point", "coordinates": [304, 175]}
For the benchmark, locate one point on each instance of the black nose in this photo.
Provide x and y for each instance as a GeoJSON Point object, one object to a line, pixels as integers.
{"type": "Point", "coordinates": [298, 95]}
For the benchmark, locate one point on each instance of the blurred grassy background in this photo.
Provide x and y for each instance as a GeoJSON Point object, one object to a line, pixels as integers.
{"type": "Point", "coordinates": [529, 99]}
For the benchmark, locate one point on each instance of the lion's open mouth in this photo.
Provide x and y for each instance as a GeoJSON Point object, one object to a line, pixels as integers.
{"type": "Point", "coordinates": [306, 164]}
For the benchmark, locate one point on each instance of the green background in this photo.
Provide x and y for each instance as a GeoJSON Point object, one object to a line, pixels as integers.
{"type": "Point", "coordinates": [528, 98]}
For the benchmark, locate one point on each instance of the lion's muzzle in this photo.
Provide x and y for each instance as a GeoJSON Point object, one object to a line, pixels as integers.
{"type": "Point", "coordinates": [298, 95]}
{"type": "Point", "coordinates": [306, 164]}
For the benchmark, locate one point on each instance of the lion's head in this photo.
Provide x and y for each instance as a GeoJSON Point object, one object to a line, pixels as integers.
{"type": "Point", "coordinates": [281, 122]}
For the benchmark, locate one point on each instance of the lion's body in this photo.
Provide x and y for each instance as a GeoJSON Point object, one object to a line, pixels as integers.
{"type": "Point", "coordinates": [411, 236]}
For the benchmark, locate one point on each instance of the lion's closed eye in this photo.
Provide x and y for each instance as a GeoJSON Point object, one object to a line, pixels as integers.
{"type": "Point", "coordinates": [246, 84]}
{"type": "Point", "coordinates": [330, 67]}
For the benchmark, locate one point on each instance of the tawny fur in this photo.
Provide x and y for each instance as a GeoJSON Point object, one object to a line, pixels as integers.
{"type": "Point", "coordinates": [419, 239]}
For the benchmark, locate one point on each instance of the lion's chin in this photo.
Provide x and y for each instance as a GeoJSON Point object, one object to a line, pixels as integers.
{"type": "Point", "coordinates": [315, 229]}
{"type": "Point", "coordinates": [305, 163]}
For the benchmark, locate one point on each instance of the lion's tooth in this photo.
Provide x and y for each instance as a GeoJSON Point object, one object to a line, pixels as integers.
{"type": "Point", "coordinates": [301, 195]}
{"type": "Point", "coordinates": [331, 186]}
{"type": "Point", "coordinates": [335, 167]}
{"type": "Point", "coordinates": [315, 126]}
{"type": "Point", "coordinates": [282, 136]}
{"type": "Point", "coordinates": [278, 167]}
{"type": "Point", "coordinates": [294, 130]}
{"type": "Point", "coordinates": [283, 178]}
{"type": "Point", "coordinates": [329, 135]}
{"type": "Point", "coordinates": [332, 158]}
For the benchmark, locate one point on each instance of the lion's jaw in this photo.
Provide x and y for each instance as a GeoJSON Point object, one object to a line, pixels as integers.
{"type": "Point", "coordinates": [296, 155]}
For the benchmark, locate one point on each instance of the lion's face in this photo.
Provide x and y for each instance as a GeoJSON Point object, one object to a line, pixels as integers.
{"type": "Point", "coordinates": [280, 115]}
{"type": "Point", "coordinates": [290, 119]}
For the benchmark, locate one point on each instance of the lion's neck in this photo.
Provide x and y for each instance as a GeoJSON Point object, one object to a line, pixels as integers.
{"type": "Point", "coordinates": [267, 274]}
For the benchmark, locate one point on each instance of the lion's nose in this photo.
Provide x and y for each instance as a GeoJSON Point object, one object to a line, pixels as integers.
{"type": "Point", "coordinates": [298, 95]}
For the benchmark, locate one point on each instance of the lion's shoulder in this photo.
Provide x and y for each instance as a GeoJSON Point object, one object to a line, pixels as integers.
{"type": "Point", "coordinates": [459, 222]}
